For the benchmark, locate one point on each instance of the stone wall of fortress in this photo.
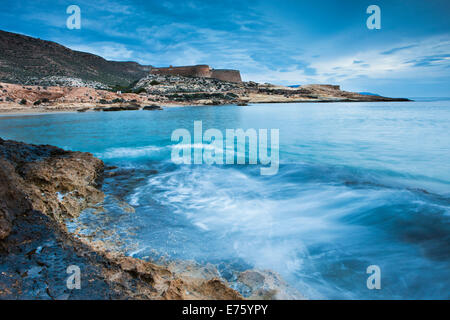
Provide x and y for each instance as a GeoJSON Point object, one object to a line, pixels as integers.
{"type": "Point", "coordinates": [226, 75]}
{"type": "Point", "coordinates": [202, 71]}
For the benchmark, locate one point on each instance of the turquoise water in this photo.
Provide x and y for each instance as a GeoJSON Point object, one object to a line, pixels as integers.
{"type": "Point", "coordinates": [358, 184]}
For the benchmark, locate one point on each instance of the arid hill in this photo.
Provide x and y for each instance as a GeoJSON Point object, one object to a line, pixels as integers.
{"type": "Point", "coordinates": [24, 60]}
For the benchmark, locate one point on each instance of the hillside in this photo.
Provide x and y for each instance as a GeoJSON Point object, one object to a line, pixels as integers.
{"type": "Point", "coordinates": [25, 60]}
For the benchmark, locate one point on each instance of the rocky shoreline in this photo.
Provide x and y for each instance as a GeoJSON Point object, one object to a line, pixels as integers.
{"type": "Point", "coordinates": [164, 91]}
{"type": "Point", "coordinates": [43, 186]}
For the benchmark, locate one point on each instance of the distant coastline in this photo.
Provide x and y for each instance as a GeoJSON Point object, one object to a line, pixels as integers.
{"type": "Point", "coordinates": [169, 92]}
{"type": "Point", "coordinates": [79, 81]}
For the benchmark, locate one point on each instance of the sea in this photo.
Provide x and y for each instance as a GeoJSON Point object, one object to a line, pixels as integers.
{"type": "Point", "coordinates": [358, 185]}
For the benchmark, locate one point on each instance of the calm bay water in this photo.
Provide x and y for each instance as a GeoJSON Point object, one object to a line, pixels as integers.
{"type": "Point", "coordinates": [359, 184]}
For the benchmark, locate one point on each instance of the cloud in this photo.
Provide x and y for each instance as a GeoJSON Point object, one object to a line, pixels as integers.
{"type": "Point", "coordinates": [394, 50]}
{"type": "Point", "coordinates": [410, 61]}
{"type": "Point", "coordinates": [109, 51]}
{"type": "Point", "coordinates": [430, 61]}
{"type": "Point", "coordinates": [285, 43]}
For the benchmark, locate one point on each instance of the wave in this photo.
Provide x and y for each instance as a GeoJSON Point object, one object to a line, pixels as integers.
{"type": "Point", "coordinates": [128, 152]}
{"type": "Point", "coordinates": [299, 223]}
{"type": "Point", "coordinates": [152, 150]}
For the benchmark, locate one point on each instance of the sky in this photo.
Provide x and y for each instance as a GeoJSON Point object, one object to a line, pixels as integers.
{"type": "Point", "coordinates": [281, 42]}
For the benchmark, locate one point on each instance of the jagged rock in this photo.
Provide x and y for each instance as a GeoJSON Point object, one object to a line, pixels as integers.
{"type": "Point", "coordinates": [178, 84]}
{"type": "Point", "coordinates": [60, 81]}
{"type": "Point", "coordinates": [268, 285]}
{"type": "Point", "coordinates": [48, 179]}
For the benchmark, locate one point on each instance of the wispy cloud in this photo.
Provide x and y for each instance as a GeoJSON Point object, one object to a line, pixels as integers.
{"type": "Point", "coordinates": [394, 50]}
{"type": "Point", "coordinates": [107, 50]}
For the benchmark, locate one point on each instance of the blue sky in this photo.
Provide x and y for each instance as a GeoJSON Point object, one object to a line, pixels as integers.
{"type": "Point", "coordinates": [283, 42]}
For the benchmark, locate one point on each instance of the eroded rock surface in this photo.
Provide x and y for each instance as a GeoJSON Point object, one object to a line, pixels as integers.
{"type": "Point", "coordinates": [40, 186]}
{"type": "Point", "coordinates": [47, 179]}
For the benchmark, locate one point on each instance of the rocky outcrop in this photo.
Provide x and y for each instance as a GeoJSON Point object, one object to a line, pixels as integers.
{"type": "Point", "coordinates": [13, 201]}
{"type": "Point", "coordinates": [15, 97]}
{"type": "Point", "coordinates": [47, 179]}
{"type": "Point", "coordinates": [167, 90]}
{"type": "Point", "coordinates": [166, 84]}
{"type": "Point", "coordinates": [331, 93]}
{"type": "Point", "coordinates": [152, 107]}
{"type": "Point", "coordinates": [40, 187]}
{"type": "Point", "coordinates": [61, 81]}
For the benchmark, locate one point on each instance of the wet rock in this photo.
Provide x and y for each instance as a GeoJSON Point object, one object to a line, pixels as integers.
{"type": "Point", "coordinates": [48, 179]}
{"type": "Point", "coordinates": [43, 185]}
{"type": "Point", "coordinates": [29, 273]}
{"type": "Point", "coordinates": [267, 285]}
{"type": "Point", "coordinates": [122, 108]}
{"type": "Point", "coordinates": [132, 107]}
{"type": "Point", "coordinates": [13, 199]}
{"type": "Point", "coordinates": [152, 107]}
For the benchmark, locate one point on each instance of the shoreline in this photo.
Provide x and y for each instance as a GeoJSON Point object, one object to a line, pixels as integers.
{"type": "Point", "coordinates": [53, 187]}
{"type": "Point", "coordinates": [169, 92]}
{"type": "Point", "coordinates": [44, 111]}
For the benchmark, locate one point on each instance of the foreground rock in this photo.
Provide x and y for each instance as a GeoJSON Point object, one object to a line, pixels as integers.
{"type": "Point", "coordinates": [40, 187]}
{"type": "Point", "coordinates": [46, 179]}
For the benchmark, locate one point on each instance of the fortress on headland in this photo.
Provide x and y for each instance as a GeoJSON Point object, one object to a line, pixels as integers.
{"type": "Point", "coordinates": [202, 71]}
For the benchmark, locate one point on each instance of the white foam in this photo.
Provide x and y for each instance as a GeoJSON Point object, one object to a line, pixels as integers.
{"type": "Point", "coordinates": [114, 153]}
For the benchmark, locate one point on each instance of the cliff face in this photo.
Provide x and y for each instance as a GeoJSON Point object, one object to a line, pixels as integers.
{"type": "Point", "coordinates": [26, 60]}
